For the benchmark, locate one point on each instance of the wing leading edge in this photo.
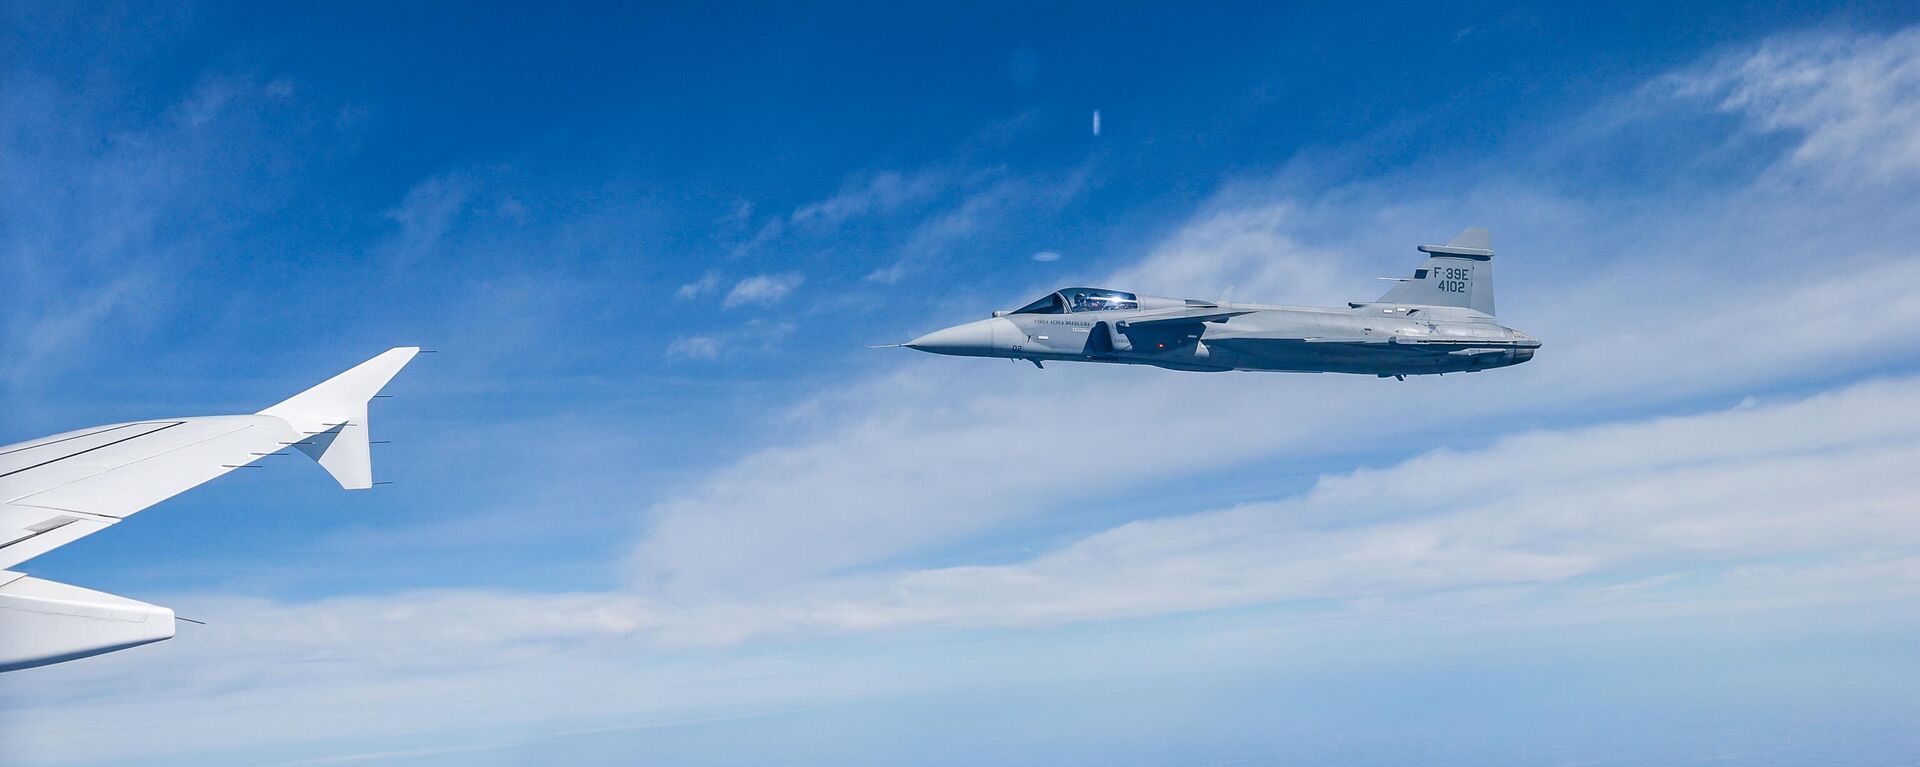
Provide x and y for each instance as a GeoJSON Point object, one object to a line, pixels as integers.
{"type": "Point", "coordinates": [58, 489]}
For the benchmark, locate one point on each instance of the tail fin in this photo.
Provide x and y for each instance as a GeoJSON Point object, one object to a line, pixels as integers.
{"type": "Point", "coordinates": [1459, 273]}
{"type": "Point", "coordinates": [333, 416]}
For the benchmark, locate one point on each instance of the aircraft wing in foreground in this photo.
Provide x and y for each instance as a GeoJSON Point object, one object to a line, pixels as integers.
{"type": "Point", "coordinates": [59, 489]}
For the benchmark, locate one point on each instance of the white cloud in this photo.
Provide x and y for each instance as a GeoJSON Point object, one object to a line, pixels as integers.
{"type": "Point", "coordinates": [706, 284]}
{"type": "Point", "coordinates": [889, 274]}
{"type": "Point", "coordinates": [1754, 507]}
{"type": "Point", "coordinates": [981, 199]}
{"type": "Point", "coordinates": [1816, 485]}
{"type": "Point", "coordinates": [88, 208]}
{"type": "Point", "coordinates": [696, 347]}
{"type": "Point", "coordinates": [979, 210]}
{"type": "Point", "coordinates": [763, 289]}
{"type": "Point", "coordinates": [1816, 478]}
{"type": "Point", "coordinates": [1046, 256]}
{"type": "Point", "coordinates": [757, 334]}
{"type": "Point", "coordinates": [738, 217]}
{"type": "Point", "coordinates": [881, 192]}
{"type": "Point", "coordinates": [426, 213]}
{"type": "Point", "coordinates": [878, 193]}
{"type": "Point", "coordinates": [211, 96]}
{"type": "Point", "coordinates": [1249, 244]}
{"type": "Point", "coordinates": [1851, 99]}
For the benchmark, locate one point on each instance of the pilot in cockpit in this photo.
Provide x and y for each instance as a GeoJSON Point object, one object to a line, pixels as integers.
{"type": "Point", "coordinates": [1081, 300]}
{"type": "Point", "coordinates": [1092, 300]}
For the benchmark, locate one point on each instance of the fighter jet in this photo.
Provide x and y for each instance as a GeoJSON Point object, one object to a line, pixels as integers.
{"type": "Point", "coordinates": [1440, 320]}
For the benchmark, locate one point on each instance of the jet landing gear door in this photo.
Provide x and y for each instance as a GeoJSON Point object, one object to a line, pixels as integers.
{"type": "Point", "coordinates": [1106, 339]}
{"type": "Point", "coordinates": [1110, 338]}
{"type": "Point", "coordinates": [1167, 332]}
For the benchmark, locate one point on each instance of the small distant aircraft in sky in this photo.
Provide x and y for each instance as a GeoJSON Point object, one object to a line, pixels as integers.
{"type": "Point", "coordinates": [58, 489]}
{"type": "Point", "coordinates": [1440, 320]}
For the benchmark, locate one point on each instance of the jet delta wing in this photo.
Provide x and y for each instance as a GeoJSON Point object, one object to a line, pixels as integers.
{"type": "Point", "coordinates": [1438, 321]}
{"type": "Point", "coordinates": [1186, 316]}
{"type": "Point", "coordinates": [58, 489]}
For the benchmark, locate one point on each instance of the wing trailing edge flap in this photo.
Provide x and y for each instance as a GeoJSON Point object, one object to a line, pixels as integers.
{"type": "Point", "coordinates": [332, 417]}
{"type": "Point", "coordinates": [54, 530]}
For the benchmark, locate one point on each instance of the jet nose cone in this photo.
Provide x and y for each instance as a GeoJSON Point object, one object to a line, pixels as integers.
{"type": "Point", "coordinates": [974, 339]}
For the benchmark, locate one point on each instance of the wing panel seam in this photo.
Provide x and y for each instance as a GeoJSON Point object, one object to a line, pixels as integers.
{"type": "Point", "coordinates": [91, 449]}
{"type": "Point", "coordinates": [84, 435]}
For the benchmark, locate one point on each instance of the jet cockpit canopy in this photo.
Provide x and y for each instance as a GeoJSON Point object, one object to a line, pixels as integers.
{"type": "Point", "coordinates": [1075, 300]}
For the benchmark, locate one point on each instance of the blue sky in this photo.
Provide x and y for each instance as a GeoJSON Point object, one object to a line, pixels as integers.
{"type": "Point", "coordinates": [654, 501]}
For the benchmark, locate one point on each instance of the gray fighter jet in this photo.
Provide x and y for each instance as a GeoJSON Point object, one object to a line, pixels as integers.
{"type": "Point", "coordinates": [1438, 321]}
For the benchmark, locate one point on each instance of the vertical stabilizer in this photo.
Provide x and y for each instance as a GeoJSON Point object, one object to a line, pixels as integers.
{"type": "Point", "coordinates": [333, 417]}
{"type": "Point", "coordinates": [1459, 274]}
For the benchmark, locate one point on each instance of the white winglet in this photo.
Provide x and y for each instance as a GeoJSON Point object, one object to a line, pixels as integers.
{"type": "Point", "coordinates": [332, 417]}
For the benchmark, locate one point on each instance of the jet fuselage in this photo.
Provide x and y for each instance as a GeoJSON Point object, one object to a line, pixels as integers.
{"type": "Point", "coordinates": [1375, 339]}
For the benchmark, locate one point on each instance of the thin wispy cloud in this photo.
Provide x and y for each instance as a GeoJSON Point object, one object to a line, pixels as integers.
{"type": "Point", "coordinates": [89, 209]}
{"type": "Point", "coordinates": [424, 216]}
{"type": "Point", "coordinates": [763, 290]}
{"type": "Point", "coordinates": [696, 347]}
{"type": "Point", "coordinates": [961, 207]}
{"type": "Point", "coordinates": [989, 206]}
{"type": "Point", "coordinates": [1851, 99]}
{"type": "Point", "coordinates": [707, 283]}
{"type": "Point", "coordinates": [880, 193]}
